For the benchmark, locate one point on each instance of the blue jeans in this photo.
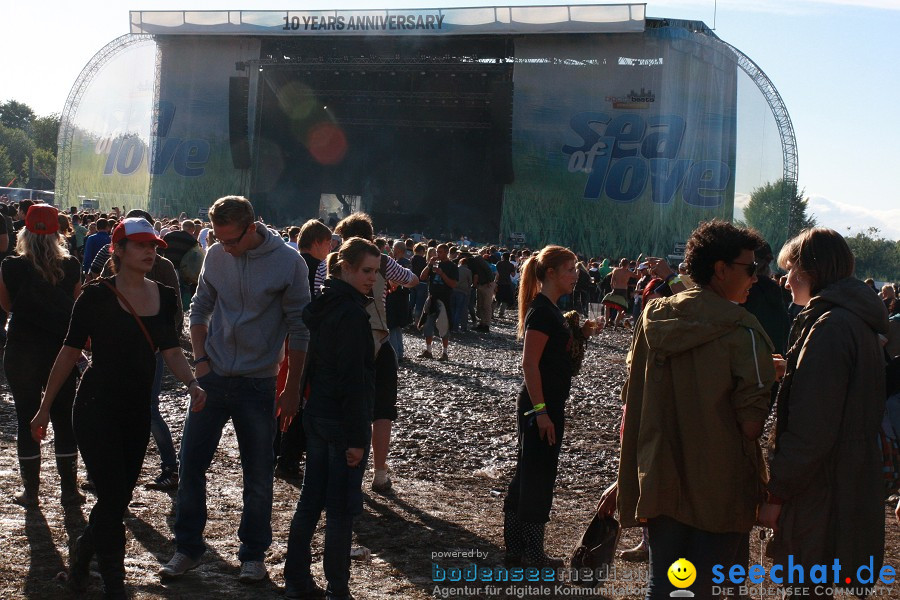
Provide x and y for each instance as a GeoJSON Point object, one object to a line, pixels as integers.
{"type": "Point", "coordinates": [158, 427]}
{"type": "Point", "coordinates": [250, 403]}
{"type": "Point", "coordinates": [328, 483]}
{"type": "Point", "coordinates": [417, 298]}
{"type": "Point", "coordinates": [671, 540]}
{"type": "Point", "coordinates": [395, 338]}
{"type": "Point", "coordinates": [460, 302]}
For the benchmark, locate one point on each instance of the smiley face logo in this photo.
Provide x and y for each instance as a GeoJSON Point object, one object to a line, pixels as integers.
{"type": "Point", "coordinates": [682, 573]}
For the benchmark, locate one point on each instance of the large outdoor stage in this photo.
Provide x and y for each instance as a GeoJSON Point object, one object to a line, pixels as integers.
{"type": "Point", "coordinates": [591, 126]}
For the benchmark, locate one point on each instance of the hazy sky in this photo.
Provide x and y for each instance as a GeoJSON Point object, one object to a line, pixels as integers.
{"type": "Point", "coordinates": [833, 63]}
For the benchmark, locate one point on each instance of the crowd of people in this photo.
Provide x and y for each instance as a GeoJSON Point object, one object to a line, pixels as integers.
{"type": "Point", "coordinates": [296, 337]}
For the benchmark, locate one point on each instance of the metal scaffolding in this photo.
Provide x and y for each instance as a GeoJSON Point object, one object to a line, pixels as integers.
{"type": "Point", "coordinates": [67, 118]}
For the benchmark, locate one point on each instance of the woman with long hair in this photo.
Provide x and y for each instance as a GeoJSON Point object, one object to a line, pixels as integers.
{"type": "Point", "coordinates": [337, 419]}
{"type": "Point", "coordinates": [540, 409]}
{"type": "Point", "coordinates": [127, 317]}
{"type": "Point", "coordinates": [39, 287]}
{"type": "Point", "coordinates": [825, 492]}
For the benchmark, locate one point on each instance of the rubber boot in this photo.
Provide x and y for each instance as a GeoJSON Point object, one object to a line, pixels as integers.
{"type": "Point", "coordinates": [80, 561]}
{"type": "Point", "coordinates": [68, 481]}
{"type": "Point", "coordinates": [534, 555]}
{"type": "Point", "coordinates": [512, 538]}
{"type": "Point", "coordinates": [30, 470]}
{"type": "Point", "coordinates": [112, 570]}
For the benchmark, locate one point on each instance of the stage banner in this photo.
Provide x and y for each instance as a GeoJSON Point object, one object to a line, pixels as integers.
{"type": "Point", "coordinates": [109, 131]}
{"type": "Point", "coordinates": [161, 145]}
{"type": "Point", "coordinates": [622, 143]}
{"type": "Point", "coordinates": [192, 161]}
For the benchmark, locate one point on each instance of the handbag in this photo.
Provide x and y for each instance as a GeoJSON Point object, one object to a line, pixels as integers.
{"type": "Point", "coordinates": [133, 313]}
{"type": "Point", "coordinates": [597, 548]}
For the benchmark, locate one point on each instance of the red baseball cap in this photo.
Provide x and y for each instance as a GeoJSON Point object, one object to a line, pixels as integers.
{"type": "Point", "coordinates": [137, 229]}
{"type": "Point", "coordinates": [41, 219]}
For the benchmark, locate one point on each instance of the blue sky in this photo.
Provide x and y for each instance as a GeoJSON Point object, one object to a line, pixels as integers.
{"type": "Point", "coordinates": [833, 62]}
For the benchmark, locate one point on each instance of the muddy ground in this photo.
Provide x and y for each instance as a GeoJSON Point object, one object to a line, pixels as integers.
{"type": "Point", "coordinates": [452, 456]}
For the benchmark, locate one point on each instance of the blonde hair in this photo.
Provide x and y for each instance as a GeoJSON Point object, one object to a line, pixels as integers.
{"type": "Point", "coordinates": [351, 253]}
{"type": "Point", "coordinates": [533, 271]}
{"type": "Point", "coordinates": [45, 252]}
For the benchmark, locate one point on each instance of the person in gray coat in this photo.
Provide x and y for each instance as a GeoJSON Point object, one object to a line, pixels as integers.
{"type": "Point", "coordinates": [825, 494]}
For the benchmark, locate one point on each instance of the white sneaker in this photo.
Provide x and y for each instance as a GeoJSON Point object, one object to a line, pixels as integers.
{"type": "Point", "coordinates": [252, 571]}
{"type": "Point", "coordinates": [178, 566]}
{"type": "Point", "coordinates": [381, 483]}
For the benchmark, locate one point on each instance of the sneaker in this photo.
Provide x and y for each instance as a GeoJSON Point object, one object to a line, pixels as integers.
{"type": "Point", "coordinates": [179, 565]}
{"type": "Point", "coordinates": [288, 473]}
{"type": "Point", "coordinates": [639, 553]}
{"type": "Point", "coordinates": [381, 483]}
{"type": "Point", "coordinates": [88, 484]}
{"type": "Point", "coordinates": [443, 357]}
{"type": "Point", "coordinates": [167, 480]}
{"type": "Point", "coordinates": [312, 591]}
{"type": "Point", "coordinates": [253, 571]}
{"type": "Point", "coordinates": [426, 354]}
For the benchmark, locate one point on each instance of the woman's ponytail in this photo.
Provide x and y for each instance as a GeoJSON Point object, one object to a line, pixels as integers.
{"type": "Point", "coordinates": [528, 289]}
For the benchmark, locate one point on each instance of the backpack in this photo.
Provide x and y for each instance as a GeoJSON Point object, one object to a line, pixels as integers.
{"type": "Point", "coordinates": [376, 309]}
{"type": "Point", "coordinates": [190, 266]}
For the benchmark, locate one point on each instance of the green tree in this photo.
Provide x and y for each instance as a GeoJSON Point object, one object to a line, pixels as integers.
{"type": "Point", "coordinates": [45, 131]}
{"type": "Point", "coordinates": [18, 147]}
{"type": "Point", "coordinates": [6, 171]}
{"type": "Point", "coordinates": [876, 257]}
{"type": "Point", "coordinates": [779, 212]}
{"type": "Point", "coordinates": [16, 115]}
{"type": "Point", "coordinates": [44, 169]}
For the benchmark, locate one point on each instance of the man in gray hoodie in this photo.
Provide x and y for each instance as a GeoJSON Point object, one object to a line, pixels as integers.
{"type": "Point", "coordinates": [250, 296]}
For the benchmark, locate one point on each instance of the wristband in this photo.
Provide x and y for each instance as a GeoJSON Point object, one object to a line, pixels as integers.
{"type": "Point", "coordinates": [673, 280]}
{"type": "Point", "coordinates": [192, 382]}
{"type": "Point", "coordinates": [537, 407]}
{"type": "Point", "coordinates": [197, 361]}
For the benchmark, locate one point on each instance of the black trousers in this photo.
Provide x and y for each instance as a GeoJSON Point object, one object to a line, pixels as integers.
{"type": "Point", "coordinates": [27, 367]}
{"type": "Point", "coordinates": [112, 434]}
{"type": "Point", "coordinates": [530, 493]}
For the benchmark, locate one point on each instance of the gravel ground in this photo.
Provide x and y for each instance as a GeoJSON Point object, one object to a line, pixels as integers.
{"type": "Point", "coordinates": [452, 455]}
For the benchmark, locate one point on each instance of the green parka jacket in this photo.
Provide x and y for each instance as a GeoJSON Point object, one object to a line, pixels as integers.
{"type": "Point", "coordinates": [699, 366]}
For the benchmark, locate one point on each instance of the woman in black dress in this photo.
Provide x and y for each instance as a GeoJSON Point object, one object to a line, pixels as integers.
{"type": "Point", "coordinates": [38, 287]}
{"type": "Point", "coordinates": [547, 365]}
{"type": "Point", "coordinates": [127, 318]}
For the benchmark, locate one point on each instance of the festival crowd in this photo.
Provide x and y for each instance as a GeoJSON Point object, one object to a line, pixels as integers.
{"type": "Point", "coordinates": [296, 337]}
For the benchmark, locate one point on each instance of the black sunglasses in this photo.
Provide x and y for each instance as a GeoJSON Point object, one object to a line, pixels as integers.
{"type": "Point", "coordinates": [751, 267]}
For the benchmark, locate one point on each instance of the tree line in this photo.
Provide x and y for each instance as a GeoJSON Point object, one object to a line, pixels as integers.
{"type": "Point", "coordinates": [28, 146]}
{"type": "Point", "coordinates": [779, 211]}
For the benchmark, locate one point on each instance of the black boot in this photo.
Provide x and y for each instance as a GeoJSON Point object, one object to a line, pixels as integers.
{"type": "Point", "coordinates": [30, 470]}
{"type": "Point", "coordinates": [112, 570]}
{"type": "Point", "coordinates": [80, 561]}
{"type": "Point", "coordinates": [512, 538]}
{"type": "Point", "coordinates": [68, 481]}
{"type": "Point", "coordinates": [534, 555]}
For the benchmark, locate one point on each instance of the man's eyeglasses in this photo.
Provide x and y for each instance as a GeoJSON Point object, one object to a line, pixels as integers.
{"type": "Point", "coordinates": [230, 243]}
{"type": "Point", "coordinates": [750, 267]}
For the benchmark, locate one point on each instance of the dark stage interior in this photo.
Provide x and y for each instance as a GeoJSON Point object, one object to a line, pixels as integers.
{"type": "Point", "coordinates": [419, 128]}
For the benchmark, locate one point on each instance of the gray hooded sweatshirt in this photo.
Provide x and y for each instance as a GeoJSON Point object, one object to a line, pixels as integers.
{"type": "Point", "coordinates": [250, 304]}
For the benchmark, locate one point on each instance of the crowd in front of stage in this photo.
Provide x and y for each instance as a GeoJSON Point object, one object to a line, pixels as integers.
{"type": "Point", "coordinates": [296, 337]}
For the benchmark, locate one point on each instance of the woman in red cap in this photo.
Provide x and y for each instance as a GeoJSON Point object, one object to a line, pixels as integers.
{"type": "Point", "coordinates": [127, 318]}
{"type": "Point", "coordinates": [39, 287]}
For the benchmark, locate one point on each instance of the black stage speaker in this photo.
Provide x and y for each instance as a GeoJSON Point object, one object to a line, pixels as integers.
{"type": "Point", "coordinates": [238, 116]}
{"type": "Point", "coordinates": [501, 131]}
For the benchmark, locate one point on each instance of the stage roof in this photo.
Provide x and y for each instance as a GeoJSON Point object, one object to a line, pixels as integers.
{"type": "Point", "coordinates": [500, 20]}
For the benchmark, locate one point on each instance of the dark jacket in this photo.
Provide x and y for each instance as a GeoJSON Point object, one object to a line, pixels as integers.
{"type": "Point", "coordinates": [827, 462]}
{"type": "Point", "coordinates": [341, 360]}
